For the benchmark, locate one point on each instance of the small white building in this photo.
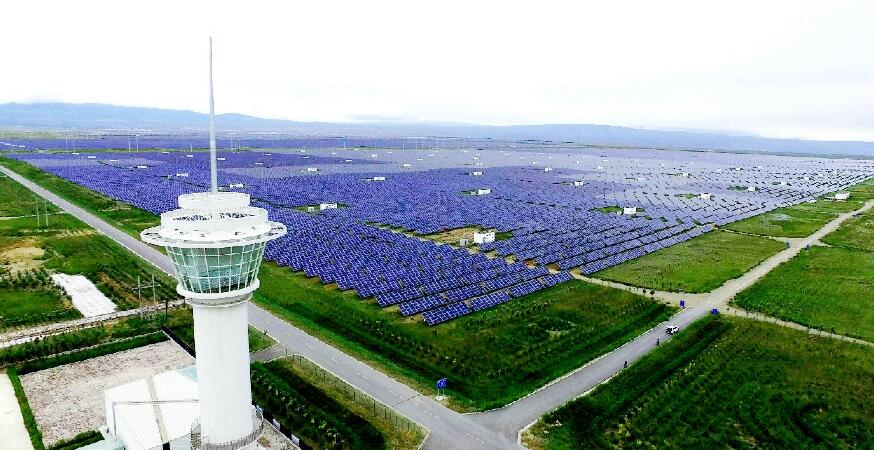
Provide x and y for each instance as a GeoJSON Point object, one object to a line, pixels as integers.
{"type": "Point", "coordinates": [476, 173]}
{"type": "Point", "coordinates": [842, 196]}
{"type": "Point", "coordinates": [483, 192]}
{"type": "Point", "coordinates": [148, 412]}
{"type": "Point", "coordinates": [311, 209]}
{"type": "Point", "coordinates": [705, 196]}
{"type": "Point", "coordinates": [463, 242]}
{"type": "Point", "coordinates": [324, 206]}
{"type": "Point", "coordinates": [751, 189]}
{"type": "Point", "coordinates": [629, 210]}
{"type": "Point", "coordinates": [483, 237]}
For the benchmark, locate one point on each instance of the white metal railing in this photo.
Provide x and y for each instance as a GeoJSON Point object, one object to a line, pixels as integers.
{"type": "Point", "coordinates": [201, 442]}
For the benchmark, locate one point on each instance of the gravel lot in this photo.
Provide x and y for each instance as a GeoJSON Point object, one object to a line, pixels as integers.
{"type": "Point", "coordinates": [68, 400]}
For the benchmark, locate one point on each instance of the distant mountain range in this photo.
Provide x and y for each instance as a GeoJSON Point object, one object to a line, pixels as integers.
{"type": "Point", "coordinates": [92, 116]}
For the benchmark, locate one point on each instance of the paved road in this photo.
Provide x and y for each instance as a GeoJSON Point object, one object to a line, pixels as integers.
{"type": "Point", "coordinates": [450, 430]}
{"type": "Point", "coordinates": [12, 429]}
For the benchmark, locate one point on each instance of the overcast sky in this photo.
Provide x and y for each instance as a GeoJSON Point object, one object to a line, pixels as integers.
{"type": "Point", "coordinates": [785, 69]}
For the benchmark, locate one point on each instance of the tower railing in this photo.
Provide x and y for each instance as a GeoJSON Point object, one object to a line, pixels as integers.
{"type": "Point", "coordinates": [201, 442]}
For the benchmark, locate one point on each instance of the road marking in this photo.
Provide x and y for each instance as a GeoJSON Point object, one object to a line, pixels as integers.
{"type": "Point", "coordinates": [393, 393]}
{"type": "Point", "coordinates": [308, 345]}
{"type": "Point", "coordinates": [431, 414]}
{"type": "Point", "coordinates": [360, 375]}
{"type": "Point", "coordinates": [480, 440]}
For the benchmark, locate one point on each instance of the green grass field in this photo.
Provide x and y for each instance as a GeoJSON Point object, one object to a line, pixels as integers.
{"type": "Point", "coordinates": [856, 233]}
{"type": "Point", "coordinates": [491, 358]}
{"type": "Point", "coordinates": [796, 221]}
{"type": "Point", "coordinates": [824, 288]}
{"type": "Point", "coordinates": [726, 383]}
{"type": "Point", "coordinates": [697, 265]}
{"type": "Point", "coordinates": [16, 200]}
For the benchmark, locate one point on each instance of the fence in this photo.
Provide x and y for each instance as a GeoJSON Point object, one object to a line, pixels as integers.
{"type": "Point", "coordinates": [336, 384]}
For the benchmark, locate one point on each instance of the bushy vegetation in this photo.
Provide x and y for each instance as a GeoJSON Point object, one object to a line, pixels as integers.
{"type": "Point", "coordinates": [30, 297]}
{"type": "Point", "coordinates": [88, 337]}
{"type": "Point", "coordinates": [183, 328]}
{"type": "Point", "coordinates": [800, 220]}
{"type": "Point", "coordinates": [825, 288]}
{"type": "Point", "coordinates": [90, 352]}
{"type": "Point", "coordinates": [727, 383]}
{"type": "Point", "coordinates": [490, 358]}
{"type": "Point", "coordinates": [697, 265]}
{"type": "Point", "coordinates": [313, 416]}
{"type": "Point", "coordinates": [400, 433]}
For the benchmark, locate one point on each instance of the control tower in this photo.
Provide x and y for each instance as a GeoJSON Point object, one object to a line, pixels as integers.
{"type": "Point", "coordinates": [216, 243]}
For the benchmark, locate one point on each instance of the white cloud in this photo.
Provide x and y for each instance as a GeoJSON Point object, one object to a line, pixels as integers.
{"type": "Point", "coordinates": [784, 68]}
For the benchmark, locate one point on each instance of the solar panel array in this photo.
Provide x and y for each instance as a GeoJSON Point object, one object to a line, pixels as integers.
{"type": "Point", "coordinates": [564, 218]}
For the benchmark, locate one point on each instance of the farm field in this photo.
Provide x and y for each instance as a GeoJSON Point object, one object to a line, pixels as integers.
{"type": "Point", "coordinates": [490, 358]}
{"type": "Point", "coordinates": [326, 410]}
{"type": "Point", "coordinates": [796, 221]}
{"type": "Point", "coordinates": [30, 253]}
{"type": "Point", "coordinates": [697, 265]}
{"type": "Point", "coordinates": [824, 288]}
{"type": "Point", "coordinates": [726, 383]}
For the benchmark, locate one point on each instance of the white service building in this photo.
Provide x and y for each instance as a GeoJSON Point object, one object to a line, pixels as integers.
{"type": "Point", "coordinates": [483, 237]}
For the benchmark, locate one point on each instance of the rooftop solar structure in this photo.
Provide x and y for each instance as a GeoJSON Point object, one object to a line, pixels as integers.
{"type": "Point", "coordinates": [551, 218]}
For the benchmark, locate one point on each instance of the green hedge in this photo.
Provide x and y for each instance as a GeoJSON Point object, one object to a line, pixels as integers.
{"type": "Point", "coordinates": [80, 440]}
{"type": "Point", "coordinates": [93, 352]}
{"type": "Point", "coordinates": [26, 412]}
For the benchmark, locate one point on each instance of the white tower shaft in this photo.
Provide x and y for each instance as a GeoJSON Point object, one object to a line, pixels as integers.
{"type": "Point", "coordinates": [213, 172]}
{"type": "Point", "coordinates": [221, 340]}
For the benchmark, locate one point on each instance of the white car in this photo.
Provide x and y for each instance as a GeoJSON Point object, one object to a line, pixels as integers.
{"type": "Point", "coordinates": [672, 329]}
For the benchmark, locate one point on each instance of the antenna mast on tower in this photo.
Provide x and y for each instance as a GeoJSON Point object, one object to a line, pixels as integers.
{"type": "Point", "coordinates": [213, 175]}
